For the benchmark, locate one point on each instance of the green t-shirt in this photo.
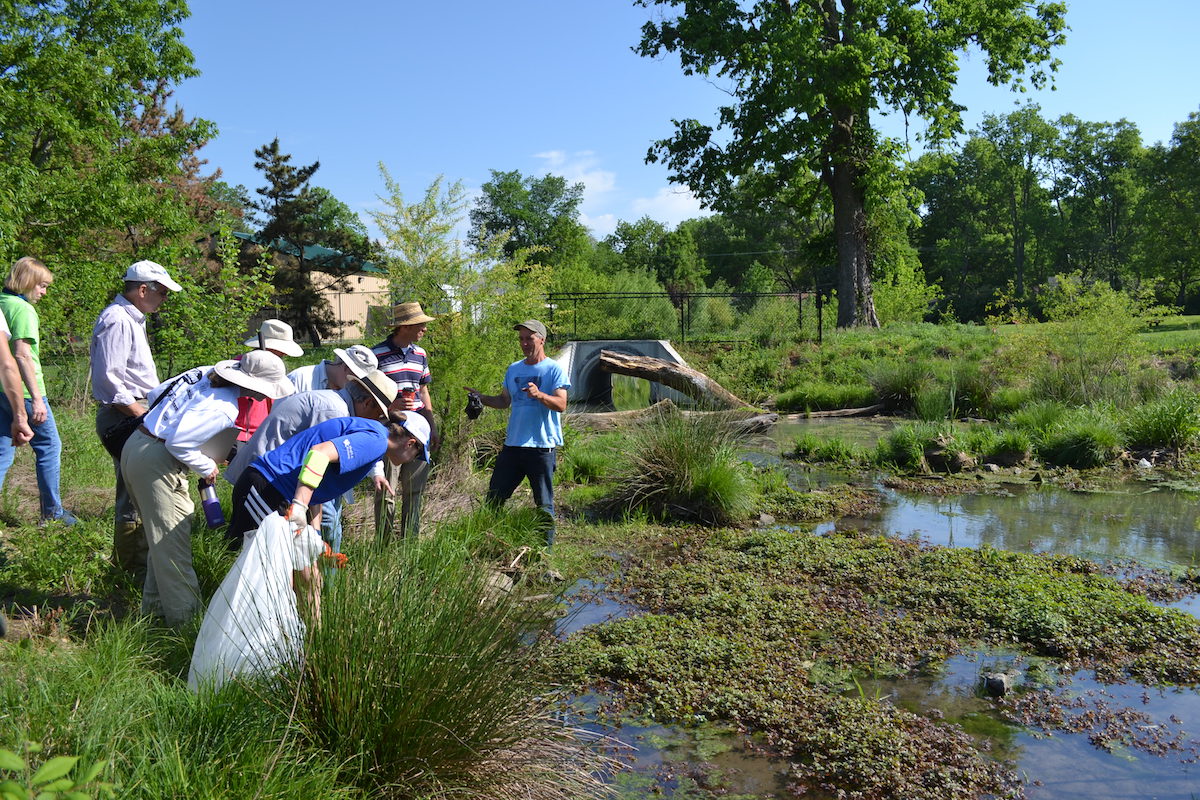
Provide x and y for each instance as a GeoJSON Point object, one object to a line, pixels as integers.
{"type": "Point", "coordinates": [22, 321]}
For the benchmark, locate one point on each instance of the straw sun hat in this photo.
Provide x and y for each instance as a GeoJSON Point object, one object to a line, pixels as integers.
{"type": "Point", "coordinates": [408, 314]}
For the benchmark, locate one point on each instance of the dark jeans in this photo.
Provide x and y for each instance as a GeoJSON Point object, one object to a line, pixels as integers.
{"type": "Point", "coordinates": [513, 465]}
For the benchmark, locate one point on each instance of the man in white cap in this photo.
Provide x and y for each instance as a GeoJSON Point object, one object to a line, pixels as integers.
{"type": "Point", "coordinates": [356, 361]}
{"type": "Point", "coordinates": [535, 388]}
{"type": "Point", "coordinates": [123, 373]}
{"type": "Point", "coordinates": [405, 362]}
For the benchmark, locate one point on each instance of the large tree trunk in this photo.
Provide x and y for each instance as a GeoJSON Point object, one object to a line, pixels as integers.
{"type": "Point", "coordinates": [743, 422]}
{"type": "Point", "coordinates": [693, 383]}
{"type": "Point", "coordinates": [856, 305]}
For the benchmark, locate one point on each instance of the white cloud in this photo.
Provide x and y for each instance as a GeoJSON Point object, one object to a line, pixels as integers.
{"type": "Point", "coordinates": [582, 167]}
{"type": "Point", "coordinates": [600, 225]}
{"type": "Point", "coordinates": [670, 205]}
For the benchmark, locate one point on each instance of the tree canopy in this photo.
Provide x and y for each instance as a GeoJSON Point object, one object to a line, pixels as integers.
{"type": "Point", "coordinates": [806, 77]}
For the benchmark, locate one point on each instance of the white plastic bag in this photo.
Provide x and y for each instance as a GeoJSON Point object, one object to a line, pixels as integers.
{"type": "Point", "coordinates": [252, 625]}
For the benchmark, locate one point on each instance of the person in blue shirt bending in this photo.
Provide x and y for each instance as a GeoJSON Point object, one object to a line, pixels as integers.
{"type": "Point", "coordinates": [536, 390]}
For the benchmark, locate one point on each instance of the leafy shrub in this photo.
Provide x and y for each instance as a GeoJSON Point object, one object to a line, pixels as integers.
{"type": "Point", "coordinates": [1172, 421]}
{"type": "Point", "coordinates": [824, 396]}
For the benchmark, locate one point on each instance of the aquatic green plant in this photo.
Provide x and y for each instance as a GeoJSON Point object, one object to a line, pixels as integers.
{"type": "Point", "coordinates": [904, 446]}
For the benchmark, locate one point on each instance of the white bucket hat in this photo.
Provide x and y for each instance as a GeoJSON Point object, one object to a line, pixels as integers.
{"type": "Point", "coordinates": [258, 371]}
{"type": "Point", "coordinates": [151, 272]}
{"type": "Point", "coordinates": [358, 359]}
{"type": "Point", "coordinates": [275, 334]}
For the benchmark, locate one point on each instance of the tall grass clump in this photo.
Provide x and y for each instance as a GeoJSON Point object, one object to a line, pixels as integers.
{"type": "Point", "coordinates": [107, 698]}
{"type": "Point", "coordinates": [1038, 417]}
{"type": "Point", "coordinates": [829, 451]}
{"type": "Point", "coordinates": [898, 382]}
{"type": "Point", "coordinates": [588, 460]}
{"type": "Point", "coordinates": [825, 396]}
{"type": "Point", "coordinates": [1085, 438]}
{"type": "Point", "coordinates": [684, 468]}
{"type": "Point", "coordinates": [1171, 421]}
{"type": "Point", "coordinates": [422, 677]}
{"type": "Point", "coordinates": [904, 446]}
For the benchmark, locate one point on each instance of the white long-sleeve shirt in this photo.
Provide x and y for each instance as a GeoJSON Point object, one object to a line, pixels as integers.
{"type": "Point", "coordinates": [196, 421]}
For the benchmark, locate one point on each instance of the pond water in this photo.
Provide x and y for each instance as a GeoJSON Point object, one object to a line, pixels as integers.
{"type": "Point", "coordinates": [1153, 524]}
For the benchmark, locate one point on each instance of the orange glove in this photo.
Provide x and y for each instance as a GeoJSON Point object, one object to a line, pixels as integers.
{"type": "Point", "coordinates": [339, 559]}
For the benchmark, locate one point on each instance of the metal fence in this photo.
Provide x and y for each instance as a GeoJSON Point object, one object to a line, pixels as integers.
{"type": "Point", "coordinates": [764, 318]}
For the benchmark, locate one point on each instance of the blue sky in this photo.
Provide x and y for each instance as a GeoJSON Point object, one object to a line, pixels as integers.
{"type": "Point", "coordinates": [461, 87]}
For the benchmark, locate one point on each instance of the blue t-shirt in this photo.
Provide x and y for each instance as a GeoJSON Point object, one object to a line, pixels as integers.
{"type": "Point", "coordinates": [359, 443]}
{"type": "Point", "coordinates": [531, 424]}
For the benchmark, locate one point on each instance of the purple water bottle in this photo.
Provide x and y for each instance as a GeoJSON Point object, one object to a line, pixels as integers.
{"type": "Point", "coordinates": [213, 514]}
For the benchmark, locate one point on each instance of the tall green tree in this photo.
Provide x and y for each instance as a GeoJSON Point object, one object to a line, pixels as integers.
{"type": "Point", "coordinates": [535, 212]}
{"type": "Point", "coordinates": [1169, 212]}
{"type": "Point", "coordinates": [805, 78]}
{"type": "Point", "coordinates": [318, 239]}
{"type": "Point", "coordinates": [1097, 190]}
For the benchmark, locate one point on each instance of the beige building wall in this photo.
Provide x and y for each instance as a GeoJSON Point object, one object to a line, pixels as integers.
{"type": "Point", "coordinates": [351, 308]}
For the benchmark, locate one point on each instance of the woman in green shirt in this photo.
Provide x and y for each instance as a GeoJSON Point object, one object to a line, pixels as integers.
{"type": "Point", "coordinates": [27, 283]}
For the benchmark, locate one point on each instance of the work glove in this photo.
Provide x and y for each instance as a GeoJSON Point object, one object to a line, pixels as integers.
{"type": "Point", "coordinates": [297, 515]}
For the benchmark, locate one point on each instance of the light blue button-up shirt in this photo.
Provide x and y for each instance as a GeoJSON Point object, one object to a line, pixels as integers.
{"type": "Point", "coordinates": [123, 370]}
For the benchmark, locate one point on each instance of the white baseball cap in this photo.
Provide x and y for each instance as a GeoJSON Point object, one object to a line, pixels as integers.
{"type": "Point", "coordinates": [150, 272]}
{"type": "Point", "coordinates": [418, 426]}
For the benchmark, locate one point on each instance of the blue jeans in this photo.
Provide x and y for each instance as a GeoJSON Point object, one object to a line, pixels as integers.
{"type": "Point", "coordinates": [46, 447]}
{"type": "Point", "coordinates": [513, 465]}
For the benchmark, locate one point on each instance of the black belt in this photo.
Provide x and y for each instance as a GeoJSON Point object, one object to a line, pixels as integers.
{"type": "Point", "coordinates": [146, 431]}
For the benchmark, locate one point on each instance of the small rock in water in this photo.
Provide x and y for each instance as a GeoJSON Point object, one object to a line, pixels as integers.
{"type": "Point", "coordinates": [998, 684]}
{"type": "Point", "coordinates": [991, 467]}
{"type": "Point", "coordinates": [766, 519]}
{"type": "Point", "coordinates": [1144, 464]}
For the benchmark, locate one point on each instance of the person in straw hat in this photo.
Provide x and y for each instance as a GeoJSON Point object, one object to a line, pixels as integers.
{"type": "Point", "coordinates": [405, 362]}
{"type": "Point", "coordinates": [186, 432]}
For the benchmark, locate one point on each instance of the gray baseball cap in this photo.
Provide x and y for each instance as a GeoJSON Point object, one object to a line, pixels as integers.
{"type": "Point", "coordinates": [533, 325]}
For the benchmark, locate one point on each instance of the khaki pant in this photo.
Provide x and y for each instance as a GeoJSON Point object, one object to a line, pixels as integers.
{"type": "Point", "coordinates": [408, 480]}
{"type": "Point", "coordinates": [129, 539]}
{"type": "Point", "coordinates": [158, 484]}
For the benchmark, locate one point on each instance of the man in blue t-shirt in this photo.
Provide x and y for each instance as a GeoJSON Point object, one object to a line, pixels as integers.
{"type": "Point", "coordinates": [536, 390]}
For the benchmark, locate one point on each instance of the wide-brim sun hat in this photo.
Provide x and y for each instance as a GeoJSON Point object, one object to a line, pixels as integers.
{"type": "Point", "coordinates": [383, 390]}
{"type": "Point", "coordinates": [418, 426]}
{"type": "Point", "coordinates": [151, 272]}
{"type": "Point", "coordinates": [358, 359]}
{"type": "Point", "coordinates": [258, 371]}
{"type": "Point", "coordinates": [408, 314]}
{"type": "Point", "coordinates": [275, 334]}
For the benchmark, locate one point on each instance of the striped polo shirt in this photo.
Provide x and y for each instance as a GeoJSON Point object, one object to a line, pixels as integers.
{"type": "Point", "coordinates": [407, 366]}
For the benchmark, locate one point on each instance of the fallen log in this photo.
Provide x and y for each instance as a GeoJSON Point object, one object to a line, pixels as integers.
{"type": "Point", "coordinates": [693, 383]}
{"type": "Point", "coordinates": [866, 411]}
{"type": "Point", "coordinates": [611, 420]}
{"type": "Point", "coordinates": [742, 421]}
